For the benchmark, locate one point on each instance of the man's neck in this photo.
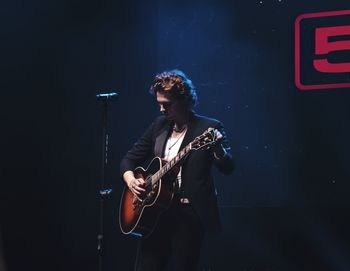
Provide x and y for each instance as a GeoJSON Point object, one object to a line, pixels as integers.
{"type": "Point", "coordinates": [182, 121]}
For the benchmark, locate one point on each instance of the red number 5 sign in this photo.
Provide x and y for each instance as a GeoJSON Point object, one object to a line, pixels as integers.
{"type": "Point", "coordinates": [322, 47]}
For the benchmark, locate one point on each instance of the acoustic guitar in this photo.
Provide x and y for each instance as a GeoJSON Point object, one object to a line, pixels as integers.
{"type": "Point", "coordinates": [138, 215]}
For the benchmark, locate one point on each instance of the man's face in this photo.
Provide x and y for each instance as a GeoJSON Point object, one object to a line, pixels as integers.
{"type": "Point", "coordinates": [171, 108]}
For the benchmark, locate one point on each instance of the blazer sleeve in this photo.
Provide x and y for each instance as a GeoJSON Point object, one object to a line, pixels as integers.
{"type": "Point", "coordinates": [225, 165]}
{"type": "Point", "coordinates": [140, 151]}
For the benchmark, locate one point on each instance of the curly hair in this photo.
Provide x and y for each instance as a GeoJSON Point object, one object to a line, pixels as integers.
{"type": "Point", "coordinates": [175, 84]}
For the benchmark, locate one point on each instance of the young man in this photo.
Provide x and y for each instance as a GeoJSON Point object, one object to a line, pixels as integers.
{"type": "Point", "coordinates": [193, 211]}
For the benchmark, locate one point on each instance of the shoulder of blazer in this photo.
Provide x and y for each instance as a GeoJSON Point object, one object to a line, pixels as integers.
{"type": "Point", "coordinates": [206, 121]}
{"type": "Point", "coordinates": [158, 124]}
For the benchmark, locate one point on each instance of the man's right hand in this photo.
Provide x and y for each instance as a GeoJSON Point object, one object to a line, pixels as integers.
{"type": "Point", "coordinates": [136, 185]}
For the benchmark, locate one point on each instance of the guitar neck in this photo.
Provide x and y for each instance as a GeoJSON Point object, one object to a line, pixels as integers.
{"type": "Point", "coordinates": [168, 166]}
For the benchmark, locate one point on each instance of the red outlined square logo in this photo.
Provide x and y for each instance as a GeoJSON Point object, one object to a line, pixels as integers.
{"type": "Point", "coordinates": [322, 50]}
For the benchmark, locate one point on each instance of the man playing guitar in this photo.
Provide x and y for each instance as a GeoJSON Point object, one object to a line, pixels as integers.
{"type": "Point", "coordinates": [181, 191]}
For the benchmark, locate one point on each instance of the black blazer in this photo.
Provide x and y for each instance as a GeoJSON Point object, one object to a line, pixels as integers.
{"type": "Point", "coordinates": [197, 180]}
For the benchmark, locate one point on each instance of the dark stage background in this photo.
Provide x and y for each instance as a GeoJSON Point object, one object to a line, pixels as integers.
{"type": "Point", "coordinates": [286, 207]}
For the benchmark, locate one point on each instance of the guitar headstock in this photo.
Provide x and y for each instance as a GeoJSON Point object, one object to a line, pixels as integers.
{"type": "Point", "coordinates": [205, 140]}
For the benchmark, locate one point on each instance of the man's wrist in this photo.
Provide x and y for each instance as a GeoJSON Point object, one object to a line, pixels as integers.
{"type": "Point", "coordinates": [219, 152]}
{"type": "Point", "coordinates": [128, 176]}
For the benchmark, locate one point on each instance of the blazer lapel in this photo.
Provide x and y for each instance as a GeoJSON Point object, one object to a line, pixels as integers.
{"type": "Point", "coordinates": [160, 141]}
{"type": "Point", "coordinates": [191, 132]}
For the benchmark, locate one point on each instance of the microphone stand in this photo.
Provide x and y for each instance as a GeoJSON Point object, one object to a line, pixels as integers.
{"type": "Point", "coordinates": [103, 192]}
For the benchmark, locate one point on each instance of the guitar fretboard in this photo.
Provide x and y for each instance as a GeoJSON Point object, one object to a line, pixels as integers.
{"type": "Point", "coordinates": [168, 166]}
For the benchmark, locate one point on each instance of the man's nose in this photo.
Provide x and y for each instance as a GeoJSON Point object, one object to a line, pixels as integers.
{"type": "Point", "coordinates": [162, 108]}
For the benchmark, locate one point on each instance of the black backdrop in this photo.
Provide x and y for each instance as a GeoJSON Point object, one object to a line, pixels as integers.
{"type": "Point", "coordinates": [286, 207]}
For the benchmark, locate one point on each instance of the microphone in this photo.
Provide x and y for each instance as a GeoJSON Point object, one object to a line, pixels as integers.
{"type": "Point", "coordinates": [107, 96]}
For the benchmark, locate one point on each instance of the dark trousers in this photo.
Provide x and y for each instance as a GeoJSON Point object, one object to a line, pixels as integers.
{"type": "Point", "coordinates": [176, 239]}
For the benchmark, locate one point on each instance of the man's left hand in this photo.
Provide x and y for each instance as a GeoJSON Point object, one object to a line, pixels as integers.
{"type": "Point", "coordinates": [218, 150]}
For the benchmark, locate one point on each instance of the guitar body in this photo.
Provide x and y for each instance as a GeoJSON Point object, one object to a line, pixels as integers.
{"type": "Point", "coordinates": [139, 216]}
